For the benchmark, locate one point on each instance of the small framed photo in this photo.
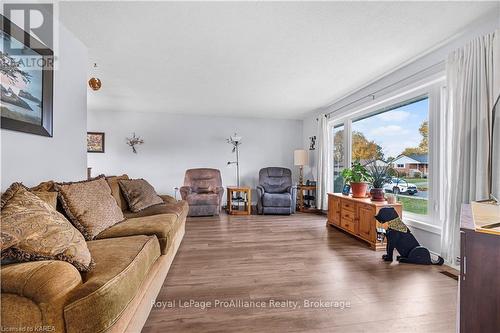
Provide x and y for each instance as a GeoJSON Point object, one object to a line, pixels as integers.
{"type": "Point", "coordinates": [95, 142]}
{"type": "Point", "coordinates": [346, 189]}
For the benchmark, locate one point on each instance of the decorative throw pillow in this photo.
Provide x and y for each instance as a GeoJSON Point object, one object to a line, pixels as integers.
{"type": "Point", "coordinates": [33, 230]}
{"type": "Point", "coordinates": [48, 197]}
{"type": "Point", "coordinates": [116, 191]}
{"type": "Point", "coordinates": [89, 205]}
{"type": "Point", "coordinates": [139, 194]}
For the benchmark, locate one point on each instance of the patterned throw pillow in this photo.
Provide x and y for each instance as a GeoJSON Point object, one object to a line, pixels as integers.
{"type": "Point", "coordinates": [33, 230]}
{"type": "Point", "coordinates": [115, 190]}
{"type": "Point", "coordinates": [139, 194]}
{"type": "Point", "coordinates": [89, 205]}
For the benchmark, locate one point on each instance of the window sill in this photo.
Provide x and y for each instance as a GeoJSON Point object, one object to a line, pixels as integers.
{"type": "Point", "coordinates": [412, 222]}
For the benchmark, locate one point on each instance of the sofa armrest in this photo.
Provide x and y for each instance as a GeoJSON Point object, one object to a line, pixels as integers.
{"type": "Point", "coordinates": [35, 293]}
{"type": "Point", "coordinates": [185, 191]}
{"type": "Point", "coordinates": [168, 198]}
{"type": "Point", "coordinates": [40, 281]}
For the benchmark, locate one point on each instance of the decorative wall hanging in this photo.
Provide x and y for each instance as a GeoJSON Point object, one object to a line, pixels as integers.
{"type": "Point", "coordinates": [27, 81]}
{"type": "Point", "coordinates": [94, 82]}
{"type": "Point", "coordinates": [95, 142]}
{"type": "Point", "coordinates": [312, 144]}
{"type": "Point", "coordinates": [235, 141]}
{"type": "Point", "coordinates": [134, 141]}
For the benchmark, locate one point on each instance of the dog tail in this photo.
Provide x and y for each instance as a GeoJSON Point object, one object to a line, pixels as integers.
{"type": "Point", "coordinates": [439, 261]}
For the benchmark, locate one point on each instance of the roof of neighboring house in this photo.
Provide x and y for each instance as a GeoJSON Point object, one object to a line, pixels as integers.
{"type": "Point", "coordinates": [414, 158]}
{"type": "Point", "coordinates": [377, 162]}
{"type": "Point", "coordinates": [422, 158]}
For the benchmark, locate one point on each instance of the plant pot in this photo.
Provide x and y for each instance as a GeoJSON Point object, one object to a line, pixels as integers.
{"type": "Point", "coordinates": [378, 194]}
{"type": "Point", "coordinates": [359, 190]}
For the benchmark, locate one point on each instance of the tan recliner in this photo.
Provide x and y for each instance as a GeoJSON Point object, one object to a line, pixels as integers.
{"type": "Point", "coordinates": [203, 191]}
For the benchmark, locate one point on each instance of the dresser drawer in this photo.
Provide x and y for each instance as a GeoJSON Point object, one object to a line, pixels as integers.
{"type": "Point", "coordinates": [346, 205]}
{"type": "Point", "coordinates": [347, 215]}
{"type": "Point", "coordinates": [348, 225]}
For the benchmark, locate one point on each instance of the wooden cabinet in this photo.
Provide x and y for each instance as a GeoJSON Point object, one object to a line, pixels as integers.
{"type": "Point", "coordinates": [334, 210]}
{"type": "Point", "coordinates": [366, 230]}
{"type": "Point", "coordinates": [357, 217]}
{"type": "Point", "coordinates": [479, 276]}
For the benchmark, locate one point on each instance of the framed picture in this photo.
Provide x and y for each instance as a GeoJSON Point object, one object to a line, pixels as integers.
{"type": "Point", "coordinates": [346, 189]}
{"type": "Point", "coordinates": [95, 142]}
{"type": "Point", "coordinates": [27, 81]}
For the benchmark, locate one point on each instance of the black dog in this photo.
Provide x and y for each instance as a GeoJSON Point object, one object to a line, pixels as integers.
{"type": "Point", "coordinates": [400, 238]}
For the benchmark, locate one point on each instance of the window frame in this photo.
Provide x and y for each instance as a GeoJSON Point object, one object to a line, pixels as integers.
{"type": "Point", "coordinates": [434, 89]}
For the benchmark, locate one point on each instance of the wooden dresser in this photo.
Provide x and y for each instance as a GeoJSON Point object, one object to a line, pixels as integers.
{"type": "Point", "coordinates": [357, 217]}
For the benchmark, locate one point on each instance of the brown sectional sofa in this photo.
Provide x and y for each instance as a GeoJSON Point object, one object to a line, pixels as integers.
{"type": "Point", "coordinates": [132, 259]}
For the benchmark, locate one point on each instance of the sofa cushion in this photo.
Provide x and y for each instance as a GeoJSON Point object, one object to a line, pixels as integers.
{"type": "Point", "coordinates": [202, 199]}
{"type": "Point", "coordinates": [139, 194]}
{"type": "Point", "coordinates": [163, 226]}
{"type": "Point", "coordinates": [33, 230]}
{"type": "Point", "coordinates": [178, 208]}
{"type": "Point", "coordinates": [277, 199]}
{"type": "Point", "coordinates": [89, 205]}
{"type": "Point", "coordinates": [116, 192]}
{"type": "Point", "coordinates": [122, 264]}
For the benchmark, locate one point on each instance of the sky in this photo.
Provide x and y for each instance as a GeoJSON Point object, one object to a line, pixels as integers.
{"type": "Point", "coordinates": [397, 129]}
{"type": "Point", "coordinates": [35, 86]}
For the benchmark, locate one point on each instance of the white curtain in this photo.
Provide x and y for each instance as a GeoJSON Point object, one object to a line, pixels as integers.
{"type": "Point", "coordinates": [467, 129]}
{"type": "Point", "coordinates": [323, 165]}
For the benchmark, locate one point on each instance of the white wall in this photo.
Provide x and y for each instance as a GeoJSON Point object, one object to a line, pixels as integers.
{"type": "Point", "coordinates": [174, 143]}
{"type": "Point", "coordinates": [32, 158]}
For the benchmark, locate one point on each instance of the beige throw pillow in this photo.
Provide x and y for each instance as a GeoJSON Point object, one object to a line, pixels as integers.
{"type": "Point", "coordinates": [116, 192]}
{"type": "Point", "coordinates": [139, 194]}
{"type": "Point", "coordinates": [89, 205]}
{"type": "Point", "coordinates": [33, 230]}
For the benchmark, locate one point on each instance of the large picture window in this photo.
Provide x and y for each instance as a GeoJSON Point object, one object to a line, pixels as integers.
{"type": "Point", "coordinates": [403, 131]}
{"type": "Point", "coordinates": [398, 136]}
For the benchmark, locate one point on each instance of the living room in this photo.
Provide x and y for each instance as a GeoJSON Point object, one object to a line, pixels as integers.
{"type": "Point", "coordinates": [250, 166]}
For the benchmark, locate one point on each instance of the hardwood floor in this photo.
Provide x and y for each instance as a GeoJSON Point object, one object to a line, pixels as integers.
{"type": "Point", "coordinates": [296, 258]}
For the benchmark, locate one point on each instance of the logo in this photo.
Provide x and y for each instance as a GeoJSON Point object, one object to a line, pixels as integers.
{"type": "Point", "coordinates": [36, 19]}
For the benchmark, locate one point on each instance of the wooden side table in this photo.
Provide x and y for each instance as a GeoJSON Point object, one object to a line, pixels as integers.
{"type": "Point", "coordinates": [237, 196]}
{"type": "Point", "coordinates": [300, 198]}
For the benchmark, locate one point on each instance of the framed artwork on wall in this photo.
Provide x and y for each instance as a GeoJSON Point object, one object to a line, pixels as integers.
{"type": "Point", "coordinates": [95, 142]}
{"type": "Point", "coordinates": [27, 80]}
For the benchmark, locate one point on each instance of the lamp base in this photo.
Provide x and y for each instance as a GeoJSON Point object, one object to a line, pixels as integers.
{"type": "Point", "coordinates": [301, 175]}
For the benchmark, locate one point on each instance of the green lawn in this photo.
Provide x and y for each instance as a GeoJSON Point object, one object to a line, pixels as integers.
{"type": "Point", "coordinates": [413, 205]}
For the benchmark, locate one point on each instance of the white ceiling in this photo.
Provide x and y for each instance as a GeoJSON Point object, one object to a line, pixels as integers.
{"type": "Point", "coordinates": [263, 59]}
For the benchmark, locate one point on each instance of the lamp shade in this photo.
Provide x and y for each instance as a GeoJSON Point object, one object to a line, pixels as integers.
{"type": "Point", "coordinates": [300, 157]}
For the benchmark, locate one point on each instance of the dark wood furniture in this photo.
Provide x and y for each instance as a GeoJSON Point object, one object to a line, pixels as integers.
{"type": "Point", "coordinates": [302, 192]}
{"type": "Point", "coordinates": [239, 200]}
{"type": "Point", "coordinates": [357, 217]}
{"type": "Point", "coordinates": [479, 275]}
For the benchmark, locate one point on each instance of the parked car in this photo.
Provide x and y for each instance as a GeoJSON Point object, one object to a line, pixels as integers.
{"type": "Point", "coordinates": [399, 185]}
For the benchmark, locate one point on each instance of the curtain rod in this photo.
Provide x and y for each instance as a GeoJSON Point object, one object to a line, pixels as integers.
{"type": "Point", "coordinates": [373, 94]}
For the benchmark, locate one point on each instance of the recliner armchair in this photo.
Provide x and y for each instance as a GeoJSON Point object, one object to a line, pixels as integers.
{"type": "Point", "coordinates": [275, 192]}
{"type": "Point", "coordinates": [203, 191]}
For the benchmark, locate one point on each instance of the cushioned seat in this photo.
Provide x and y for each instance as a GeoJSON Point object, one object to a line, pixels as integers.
{"type": "Point", "coordinates": [179, 208]}
{"type": "Point", "coordinates": [163, 226]}
{"type": "Point", "coordinates": [121, 266]}
{"type": "Point", "coordinates": [277, 199]}
{"type": "Point", "coordinates": [199, 199]}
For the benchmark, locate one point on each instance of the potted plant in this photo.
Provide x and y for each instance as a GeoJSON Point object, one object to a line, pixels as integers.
{"type": "Point", "coordinates": [379, 175]}
{"type": "Point", "coordinates": [357, 176]}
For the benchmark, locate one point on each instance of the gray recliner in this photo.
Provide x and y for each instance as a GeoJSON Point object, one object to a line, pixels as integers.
{"type": "Point", "coordinates": [275, 192]}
